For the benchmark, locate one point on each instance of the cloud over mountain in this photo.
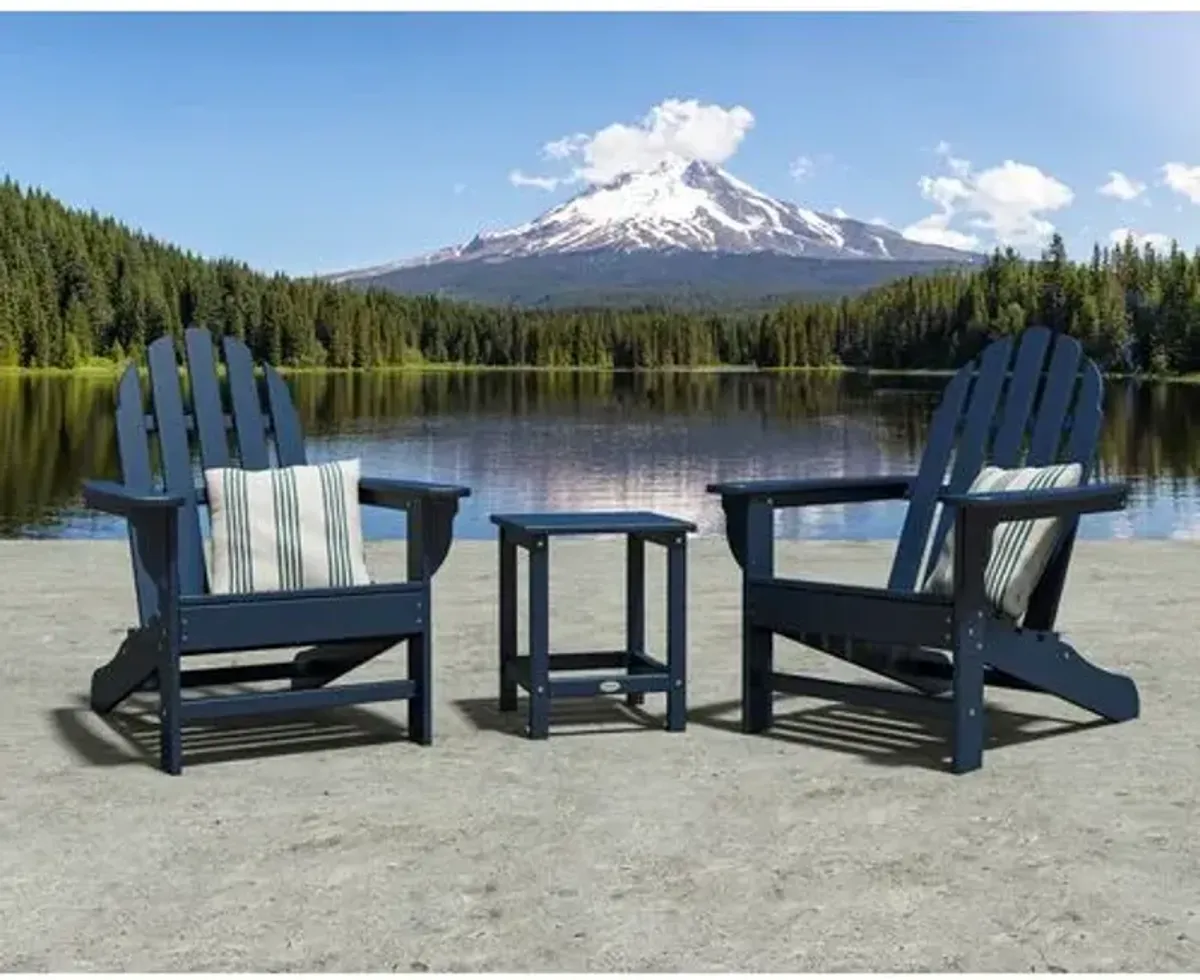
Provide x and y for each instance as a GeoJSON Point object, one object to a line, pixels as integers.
{"type": "Point", "coordinates": [675, 129]}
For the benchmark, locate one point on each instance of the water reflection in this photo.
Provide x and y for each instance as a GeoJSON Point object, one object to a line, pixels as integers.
{"type": "Point", "coordinates": [533, 440]}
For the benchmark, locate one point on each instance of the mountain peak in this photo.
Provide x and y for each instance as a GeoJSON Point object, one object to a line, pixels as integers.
{"type": "Point", "coordinates": [673, 165]}
{"type": "Point", "coordinates": [683, 205]}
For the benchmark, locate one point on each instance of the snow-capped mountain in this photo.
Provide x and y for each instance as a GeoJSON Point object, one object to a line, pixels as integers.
{"type": "Point", "coordinates": [688, 206]}
{"type": "Point", "coordinates": [672, 215]}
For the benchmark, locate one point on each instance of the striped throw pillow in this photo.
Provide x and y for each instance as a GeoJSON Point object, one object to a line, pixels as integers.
{"type": "Point", "coordinates": [284, 529]}
{"type": "Point", "coordinates": [1020, 550]}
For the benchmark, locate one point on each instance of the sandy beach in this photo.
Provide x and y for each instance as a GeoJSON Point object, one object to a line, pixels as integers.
{"type": "Point", "coordinates": [837, 842]}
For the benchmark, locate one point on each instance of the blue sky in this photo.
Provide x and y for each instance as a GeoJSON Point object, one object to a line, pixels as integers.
{"type": "Point", "coordinates": [323, 142]}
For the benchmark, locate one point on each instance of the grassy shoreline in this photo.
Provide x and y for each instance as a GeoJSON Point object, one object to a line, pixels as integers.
{"type": "Point", "coordinates": [103, 369]}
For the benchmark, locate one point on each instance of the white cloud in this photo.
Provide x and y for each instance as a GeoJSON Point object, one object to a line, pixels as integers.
{"type": "Point", "coordinates": [936, 230]}
{"type": "Point", "coordinates": [883, 222]}
{"type": "Point", "coordinates": [956, 165]}
{"type": "Point", "coordinates": [1012, 197]}
{"type": "Point", "coordinates": [1160, 243]}
{"type": "Point", "coordinates": [800, 168]}
{"type": "Point", "coordinates": [561, 149]}
{"type": "Point", "coordinates": [519, 179]}
{"type": "Point", "coordinates": [839, 213]}
{"type": "Point", "coordinates": [675, 128]}
{"type": "Point", "coordinates": [459, 189]}
{"type": "Point", "coordinates": [1121, 187]}
{"type": "Point", "coordinates": [1009, 200]}
{"type": "Point", "coordinates": [1183, 179]}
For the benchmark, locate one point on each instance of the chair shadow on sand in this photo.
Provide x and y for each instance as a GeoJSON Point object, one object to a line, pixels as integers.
{"type": "Point", "coordinates": [876, 735]}
{"type": "Point", "coordinates": [136, 726]}
{"type": "Point", "coordinates": [883, 736]}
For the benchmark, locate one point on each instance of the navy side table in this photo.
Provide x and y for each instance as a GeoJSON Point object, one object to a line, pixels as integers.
{"type": "Point", "coordinates": [639, 673]}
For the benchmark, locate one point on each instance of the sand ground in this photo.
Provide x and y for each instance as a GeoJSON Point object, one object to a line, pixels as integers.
{"type": "Point", "coordinates": [326, 842]}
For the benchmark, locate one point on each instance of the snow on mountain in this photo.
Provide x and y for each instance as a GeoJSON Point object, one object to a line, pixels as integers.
{"type": "Point", "coordinates": [681, 206]}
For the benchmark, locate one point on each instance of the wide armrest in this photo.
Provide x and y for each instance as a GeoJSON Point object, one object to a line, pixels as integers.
{"type": "Point", "coordinates": [121, 501]}
{"type": "Point", "coordinates": [377, 492]}
{"type": "Point", "coordinates": [806, 493]}
{"type": "Point", "coordinates": [1024, 505]}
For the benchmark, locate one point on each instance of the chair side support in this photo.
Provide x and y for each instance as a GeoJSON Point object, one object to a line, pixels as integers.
{"type": "Point", "coordinates": [739, 497]}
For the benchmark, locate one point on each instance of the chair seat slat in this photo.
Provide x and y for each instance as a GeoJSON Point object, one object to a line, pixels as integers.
{"type": "Point", "coordinates": [975, 434]}
{"type": "Point", "coordinates": [207, 411]}
{"type": "Point", "coordinates": [1019, 397]}
{"type": "Point", "coordinates": [289, 437]}
{"type": "Point", "coordinates": [177, 460]}
{"type": "Point", "coordinates": [928, 483]}
{"type": "Point", "coordinates": [247, 405]}
{"type": "Point", "coordinates": [133, 449]}
{"type": "Point", "coordinates": [1062, 380]}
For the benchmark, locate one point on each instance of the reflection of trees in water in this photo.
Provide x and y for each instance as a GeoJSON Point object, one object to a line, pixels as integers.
{"type": "Point", "coordinates": [1151, 430]}
{"type": "Point", "coordinates": [54, 432]}
{"type": "Point", "coordinates": [327, 402]}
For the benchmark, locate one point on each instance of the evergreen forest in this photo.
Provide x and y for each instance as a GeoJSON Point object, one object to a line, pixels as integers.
{"type": "Point", "coordinates": [77, 288]}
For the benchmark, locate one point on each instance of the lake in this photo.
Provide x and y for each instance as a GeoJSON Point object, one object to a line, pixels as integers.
{"type": "Point", "coordinates": [541, 440]}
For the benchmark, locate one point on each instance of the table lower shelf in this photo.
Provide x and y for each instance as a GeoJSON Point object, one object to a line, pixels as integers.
{"type": "Point", "coordinates": [635, 673]}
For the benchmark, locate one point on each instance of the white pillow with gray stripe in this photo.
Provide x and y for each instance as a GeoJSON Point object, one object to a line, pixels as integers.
{"type": "Point", "coordinates": [1020, 550]}
{"type": "Point", "coordinates": [285, 529]}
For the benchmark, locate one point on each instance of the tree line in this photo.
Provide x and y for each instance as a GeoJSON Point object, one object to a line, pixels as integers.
{"type": "Point", "coordinates": [76, 286]}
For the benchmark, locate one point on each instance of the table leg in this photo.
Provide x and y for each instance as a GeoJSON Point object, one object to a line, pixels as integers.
{"type": "Point", "coordinates": [677, 633]}
{"type": "Point", "coordinates": [635, 606]}
{"type": "Point", "coordinates": [539, 638]}
{"type": "Point", "coordinates": [508, 621]}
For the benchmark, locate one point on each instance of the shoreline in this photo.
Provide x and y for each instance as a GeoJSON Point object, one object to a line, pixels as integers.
{"type": "Point", "coordinates": [111, 371]}
{"type": "Point", "coordinates": [119, 534]}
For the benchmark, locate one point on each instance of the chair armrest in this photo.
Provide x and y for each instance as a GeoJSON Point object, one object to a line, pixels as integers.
{"type": "Point", "coordinates": [121, 501]}
{"type": "Point", "coordinates": [429, 538]}
{"type": "Point", "coordinates": [397, 494]}
{"type": "Point", "coordinates": [1023, 505]}
{"type": "Point", "coordinates": [807, 493]}
{"type": "Point", "coordinates": [977, 515]}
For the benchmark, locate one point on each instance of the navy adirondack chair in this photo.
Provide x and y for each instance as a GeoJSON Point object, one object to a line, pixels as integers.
{"type": "Point", "coordinates": [1035, 403]}
{"type": "Point", "coordinates": [342, 627]}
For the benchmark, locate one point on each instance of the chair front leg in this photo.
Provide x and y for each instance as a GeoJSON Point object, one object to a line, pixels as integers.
{"type": "Point", "coordinates": [756, 531]}
{"type": "Point", "coordinates": [157, 557]}
{"type": "Point", "coordinates": [757, 666]}
{"type": "Point", "coordinates": [969, 719]}
{"type": "Point", "coordinates": [420, 672]}
{"type": "Point", "coordinates": [972, 536]}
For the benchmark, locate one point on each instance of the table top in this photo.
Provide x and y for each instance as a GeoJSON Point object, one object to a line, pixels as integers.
{"type": "Point", "coordinates": [593, 522]}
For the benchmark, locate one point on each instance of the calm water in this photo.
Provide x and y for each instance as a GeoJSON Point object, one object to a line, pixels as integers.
{"type": "Point", "coordinates": [531, 441]}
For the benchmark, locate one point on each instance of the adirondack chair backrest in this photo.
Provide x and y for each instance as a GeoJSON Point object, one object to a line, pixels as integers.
{"type": "Point", "coordinates": [1032, 402]}
{"type": "Point", "coordinates": [178, 416]}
